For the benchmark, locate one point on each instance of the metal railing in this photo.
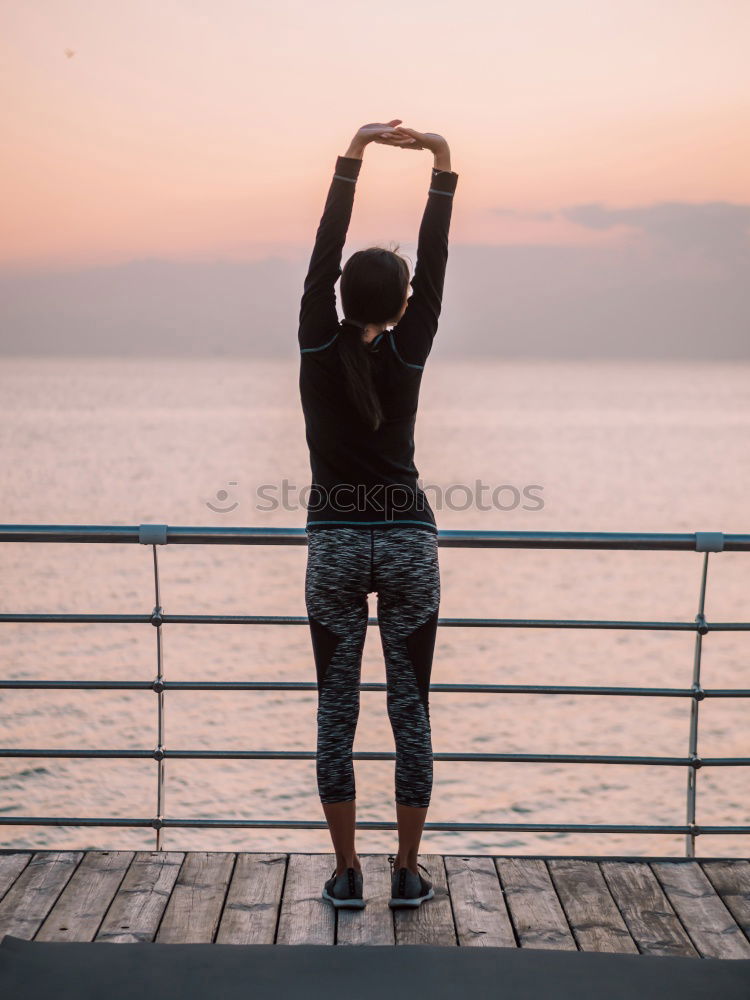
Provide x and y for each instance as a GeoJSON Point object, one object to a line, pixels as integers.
{"type": "Point", "coordinates": [161, 534]}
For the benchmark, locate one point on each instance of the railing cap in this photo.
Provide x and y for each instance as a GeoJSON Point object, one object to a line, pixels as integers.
{"type": "Point", "coordinates": [709, 541]}
{"type": "Point", "coordinates": [152, 534]}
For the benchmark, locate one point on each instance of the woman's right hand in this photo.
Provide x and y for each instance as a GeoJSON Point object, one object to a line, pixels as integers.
{"type": "Point", "coordinates": [422, 140]}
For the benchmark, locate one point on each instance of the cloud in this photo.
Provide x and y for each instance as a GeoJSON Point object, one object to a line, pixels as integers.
{"type": "Point", "coordinates": [716, 227]}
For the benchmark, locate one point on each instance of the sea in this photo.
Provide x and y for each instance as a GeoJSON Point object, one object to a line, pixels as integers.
{"type": "Point", "coordinates": [520, 445]}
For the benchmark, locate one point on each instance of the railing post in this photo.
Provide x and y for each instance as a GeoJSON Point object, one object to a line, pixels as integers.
{"type": "Point", "coordinates": [705, 541]}
{"type": "Point", "coordinates": [156, 534]}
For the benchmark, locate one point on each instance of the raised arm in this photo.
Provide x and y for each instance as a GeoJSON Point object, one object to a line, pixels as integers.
{"type": "Point", "coordinates": [413, 335]}
{"type": "Point", "coordinates": [318, 318]}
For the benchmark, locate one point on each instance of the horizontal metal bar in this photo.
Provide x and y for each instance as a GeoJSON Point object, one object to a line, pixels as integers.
{"type": "Point", "coordinates": [142, 619]}
{"type": "Point", "coordinates": [523, 758]}
{"type": "Point", "coordinates": [43, 618]}
{"type": "Point", "coordinates": [202, 535]}
{"type": "Point", "coordinates": [74, 821]}
{"type": "Point", "coordinates": [83, 754]}
{"type": "Point", "coordinates": [265, 824]}
{"type": "Point", "coordinates": [79, 685]}
{"type": "Point", "coordinates": [568, 689]}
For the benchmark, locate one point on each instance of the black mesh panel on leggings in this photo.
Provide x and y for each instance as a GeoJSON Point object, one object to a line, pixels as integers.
{"type": "Point", "coordinates": [344, 565]}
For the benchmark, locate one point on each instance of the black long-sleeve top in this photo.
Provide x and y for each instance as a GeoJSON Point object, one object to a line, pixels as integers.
{"type": "Point", "coordinates": [363, 477]}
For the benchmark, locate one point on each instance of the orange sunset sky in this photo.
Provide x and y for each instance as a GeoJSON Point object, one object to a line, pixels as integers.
{"type": "Point", "coordinates": [193, 130]}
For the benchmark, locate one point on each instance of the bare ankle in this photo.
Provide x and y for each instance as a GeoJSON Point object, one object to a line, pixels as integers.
{"type": "Point", "coordinates": [410, 862]}
{"type": "Point", "coordinates": [342, 865]}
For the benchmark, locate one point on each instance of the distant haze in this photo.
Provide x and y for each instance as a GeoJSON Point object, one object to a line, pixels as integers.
{"type": "Point", "coordinates": [682, 294]}
{"type": "Point", "coordinates": [165, 168]}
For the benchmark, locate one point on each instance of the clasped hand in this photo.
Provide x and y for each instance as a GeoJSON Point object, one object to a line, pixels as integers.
{"type": "Point", "coordinates": [393, 133]}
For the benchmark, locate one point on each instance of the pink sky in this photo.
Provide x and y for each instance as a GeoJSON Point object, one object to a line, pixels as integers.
{"type": "Point", "coordinates": [191, 130]}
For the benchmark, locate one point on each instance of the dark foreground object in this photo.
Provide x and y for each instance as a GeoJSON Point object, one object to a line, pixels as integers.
{"type": "Point", "coordinates": [32, 970]}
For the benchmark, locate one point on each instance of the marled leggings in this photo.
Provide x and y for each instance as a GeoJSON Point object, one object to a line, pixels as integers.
{"type": "Point", "coordinates": [344, 565]}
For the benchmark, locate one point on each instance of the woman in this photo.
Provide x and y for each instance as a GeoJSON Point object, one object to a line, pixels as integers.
{"type": "Point", "coordinates": [370, 527]}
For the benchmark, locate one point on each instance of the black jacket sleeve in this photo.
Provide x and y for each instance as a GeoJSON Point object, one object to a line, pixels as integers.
{"type": "Point", "coordinates": [318, 318]}
{"type": "Point", "coordinates": [414, 333]}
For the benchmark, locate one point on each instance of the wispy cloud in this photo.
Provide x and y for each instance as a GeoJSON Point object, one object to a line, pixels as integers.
{"type": "Point", "coordinates": [719, 228]}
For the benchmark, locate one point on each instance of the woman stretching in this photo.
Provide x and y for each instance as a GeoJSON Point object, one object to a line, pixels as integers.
{"type": "Point", "coordinates": [370, 528]}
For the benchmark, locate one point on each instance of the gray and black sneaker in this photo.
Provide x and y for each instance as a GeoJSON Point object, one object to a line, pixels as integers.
{"type": "Point", "coordinates": [408, 889]}
{"type": "Point", "coordinates": [345, 890]}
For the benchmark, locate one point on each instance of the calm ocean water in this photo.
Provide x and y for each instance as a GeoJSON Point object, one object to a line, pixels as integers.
{"type": "Point", "coordinates": [611, 446]}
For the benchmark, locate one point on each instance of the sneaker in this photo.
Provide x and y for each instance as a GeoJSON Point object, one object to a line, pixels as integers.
{"type": "Point", "coordinates": [408, 889]}
{"type": "Point", "coordinates": [345, 890]}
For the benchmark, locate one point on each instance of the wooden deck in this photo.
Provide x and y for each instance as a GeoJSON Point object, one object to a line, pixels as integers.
{"type": "Point", "coordinates": [698, 908]}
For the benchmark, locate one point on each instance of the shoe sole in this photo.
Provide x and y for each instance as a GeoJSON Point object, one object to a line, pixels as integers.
{"type": "Point", "coordinates": [346, 904]}
{"type": "Point", "coordinates": [397, 902]}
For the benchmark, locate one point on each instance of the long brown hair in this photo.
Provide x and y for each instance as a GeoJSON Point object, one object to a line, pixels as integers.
{"type": "Point", "coordinates": [374, 283]}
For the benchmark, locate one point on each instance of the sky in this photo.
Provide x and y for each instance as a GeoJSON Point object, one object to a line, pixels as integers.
{"type": "Point", "coordinates": [588, 138]}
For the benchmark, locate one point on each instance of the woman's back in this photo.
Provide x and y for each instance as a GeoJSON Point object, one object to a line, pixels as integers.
{"type": "Point", "coordinates": [352, 463]}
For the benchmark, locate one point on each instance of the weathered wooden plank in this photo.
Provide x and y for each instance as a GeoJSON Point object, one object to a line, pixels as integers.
{"type": "Point", "coordinates": [32, 895]}
{"type": "Point", "coordinates": [11, 866]}
{"type": "Point", "coordinates": [646, 910]}
{"type": "Point", "coordinates": [432, 922]}
{"type": "Point", "coordinates": [194, 909]}
{"type": "Point", "coordinates": [479, 909]}
{"type": "Point", "coordinates": [142, 898]}
{"type": "Point", "coordinates": [534, 907]}
{"type": "Point", "coordinates": [307, 918]}
{"type": "Point", "coordinates": [731, 879]}
{"type": "Point", "coordinates": [80, 909]}
{"type": "Point", "coordinates": [252, 906]}
{"type": "Point", "coordinates": [593, 916]}
{"type": "Point", "coordinates": [374, 924]}
{"type": "Point", "coordinates": [705, 917]}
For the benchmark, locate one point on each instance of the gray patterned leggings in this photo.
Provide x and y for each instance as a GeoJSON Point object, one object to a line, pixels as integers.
{"type": "Point", "coordinates": [344, 565]}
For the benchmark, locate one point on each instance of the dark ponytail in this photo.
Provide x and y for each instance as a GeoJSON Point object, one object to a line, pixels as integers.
{"type": "Point", "coordinates": [357, 362]}
{"type": "Point", "coordinates": [374, 283]}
